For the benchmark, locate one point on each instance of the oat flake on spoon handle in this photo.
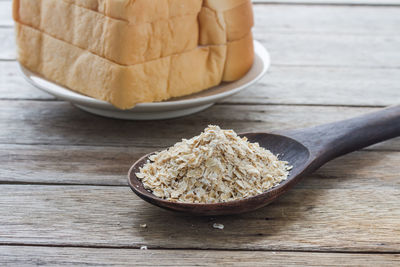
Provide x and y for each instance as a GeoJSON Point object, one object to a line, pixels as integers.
{"type": "Point", "coordinates": [215, 166]}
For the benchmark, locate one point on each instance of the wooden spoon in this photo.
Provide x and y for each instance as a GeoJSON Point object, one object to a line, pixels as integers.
{"type": "Point", "coordinates": [305, 149]}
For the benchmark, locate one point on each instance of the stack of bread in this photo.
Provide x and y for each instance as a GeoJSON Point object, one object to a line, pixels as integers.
{"type": "Point", "coordinates": [134, 51]}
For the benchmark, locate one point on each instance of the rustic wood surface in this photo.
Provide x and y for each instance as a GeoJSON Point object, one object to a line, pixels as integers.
{"type": "Point", "coordinates": [64, 198]}
{"type": "Point", "coordinates": [46, 256]}
{"type": "Point", "coordinates": [27, 256]}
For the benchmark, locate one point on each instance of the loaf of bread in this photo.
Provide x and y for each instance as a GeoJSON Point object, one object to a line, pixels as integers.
{"type": "Point", "coordinates": [114, 39]}
{"type": "Point", "coordinates": [134, 51]}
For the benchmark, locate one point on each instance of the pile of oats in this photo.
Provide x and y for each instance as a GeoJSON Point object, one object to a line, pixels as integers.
{"type": "Point", "coordinates": [216, 166]}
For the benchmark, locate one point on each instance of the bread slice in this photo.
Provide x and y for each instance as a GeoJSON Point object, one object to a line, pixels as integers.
{"type": "Point", "coordinates": [239, 58]}
{"type": "Point", "coordinates": [117, 40]}
{"type": "Point", "coordinates": [223, 21]}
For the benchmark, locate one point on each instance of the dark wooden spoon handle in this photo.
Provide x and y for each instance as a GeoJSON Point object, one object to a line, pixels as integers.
{"type": "Point", "coordinates": [332, 140]}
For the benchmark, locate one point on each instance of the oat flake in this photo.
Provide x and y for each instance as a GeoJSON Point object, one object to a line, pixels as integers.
{"type": "Point", "coordinates": [215, 166]}
{"type": "Point", "coordinates": [218, 226]}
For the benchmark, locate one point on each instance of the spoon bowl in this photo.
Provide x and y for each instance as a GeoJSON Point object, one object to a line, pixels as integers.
{"type": "Point", "coordinates": [305, 149]}
{"type": "Point", "coordinates": [289, 150]}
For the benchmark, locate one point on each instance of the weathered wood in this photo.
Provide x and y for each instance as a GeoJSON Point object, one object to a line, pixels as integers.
{"type": "Point", "coordinates": [349, 205]}
{"type": "Point", "coordinates": [324, 86]}
{"type": "Point", "coordinates": [290, 44]}
{"type": "Point", "coordinates": [7, 44]}
{"type": "Point", "coordinates": [63, 164]}
{"type": "Point", "coordinates": [58, 123]}
{"type": "Point", "coordinates": [306, 150]}
{"type": "Point", "coordinates": [5, 14]}
{"type": "Point", "coordinates": [14, 86]}
{"type": "Point", "coordinates": [291, 85]}
{"type": "Point", "coordinates": [309, 49]}
{"type": "Point", "coordinates": [282, 85]}
{"type": "Point", "coordinates": [50, 256]}
{"type": "Point", "coordinates": [109, 166]}
{"type": "Point", "coordinates": [357, 219]}
{"type": "Point", "coordinates": [317, 19]}
{"type": "Point", "coordinates": [326, 20]}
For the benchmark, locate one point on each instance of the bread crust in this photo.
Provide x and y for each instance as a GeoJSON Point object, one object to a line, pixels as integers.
{"type": "Point", "coordinates": [141, 11]}
{"type": "Point", "coordinates": [222, 5]}
{"type": "Point", "coordinates": [239, 58]}
{"type": "Point", "coordinates": [221, 25]}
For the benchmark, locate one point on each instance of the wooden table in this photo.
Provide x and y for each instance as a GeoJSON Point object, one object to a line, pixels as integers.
{"type": "Point", "coordinates": [64, 198]}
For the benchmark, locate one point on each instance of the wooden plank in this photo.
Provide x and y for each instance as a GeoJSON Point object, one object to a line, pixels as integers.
{"type": "Point", "coordinates": [291, 19]}
{"type": "Point", "coordinates": [350, 220]}
{"type": "Point", "coordinates": [302, 45]}
{"type": "Point", "coordinates": [58, 123]}
{"type": "Point", "coordinates": [305, 49]}
{"type": "Point", "coordinates": [332, 50]}
{"type": "Point", "coordinates": [324, 86]}
{"type": "Point", "coordinates": [282, 85]}
{"type": "Point", "coordinates": [7, 44]}
{"type": "Point", "coordinates": [5, 14]}
{"type": "Point", "coordinates": [50, 256]}
{"type": "Point", "coordinates": [36, 164]}
{"type": "Point", "coordinates": [14, 86]}
{"type": "Point", "coordinates": [310, 50]}
{"type": "Point", "coordinates": [344, 85]}
{"type": "Point", "coordinates": [109, 166]}
{"type": "Point", "coordinates": [318, 19]}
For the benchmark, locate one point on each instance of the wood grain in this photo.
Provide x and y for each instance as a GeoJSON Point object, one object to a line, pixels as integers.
{"type": "Point", "coordinates": [309, 49]}
{"type": "Point", "coordinates": [291, 19]}
{"type": "Point", "coordinates": [324, 86]}
{"type": "Point", "coordinates": [36, 164]}
{"type": "Point", "coordinates": [58, 123]}
{"type": "Point", "coordinates": [7, 44]}
{"type": "Point", "coordinates": [307, 19]}
{"type": "Point", "coordinates": [109, 166]}
{"type": "Point", "coordinates": [14, 86]}
{"type": "Point", "coordinates": [350, 205]}
{"type": "Point", "coordinates": [5, 14]}
{"type": "Point", "coordinates": [291, 84]}
{"type": "Point", "coordinates": [291, 42]}
{"type": "Point", "coordinates": [282, 85]}
{"type": "Point", "coordinates": [288, 84]}
{"type": "Point", "coordinates": [45, 256]}
{"type": "Point", "coordinates": [357, 219]}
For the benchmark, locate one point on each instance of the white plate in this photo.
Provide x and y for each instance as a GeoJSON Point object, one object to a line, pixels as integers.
{"type": "Point", "coordinates": [172, 108]}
